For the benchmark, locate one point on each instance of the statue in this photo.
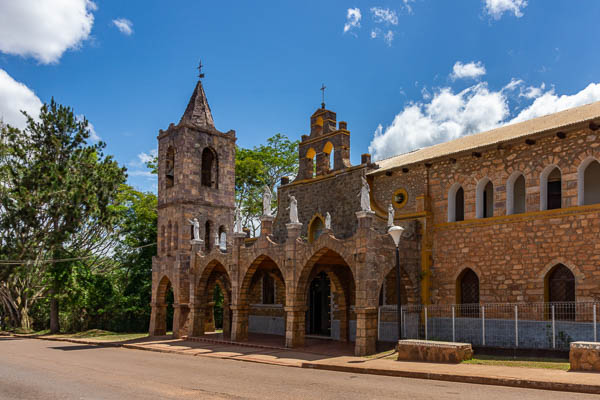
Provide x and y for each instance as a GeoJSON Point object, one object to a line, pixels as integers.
{"type": "Point", "coordinates": [217, 241]}
{"type": "Point", "coordinates": [365, 199]}
{"type": "Point", "coordinates": [390, 215]}
{"type": "Point", "coordinates": [328, 221]}
{"type": "Point", "coordinates": [267, 196]}
{"type": "Point", "coordinates": [237, 227]}
{"type": "Point", "coordinates": [196, 226]}
{"type": "Point", "coordinates": [293, 210]}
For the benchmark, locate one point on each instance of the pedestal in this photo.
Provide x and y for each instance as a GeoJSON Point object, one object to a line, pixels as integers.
{"type": "Point", "coordinates": [366, 331]}
{"type": "Point", "coordinates": [266, 225]}
{"type": "Point", "coordinates": [293, 230]}
{"type": "Point", "coordinates": [295, 326]}
{"type": "Point", "coordinates": [365, 219]}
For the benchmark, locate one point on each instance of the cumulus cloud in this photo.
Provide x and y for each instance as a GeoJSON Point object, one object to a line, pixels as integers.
{"type": "Point", "coordinates": [470, 70]}
{"type": "Point", "coordinates": [353, 17]}
{"type": "Point", "coordinates": [144, 158]}
{"type": "Point", "coordinates": [124, 25]}
{"type": "Point", "coordinates": [496, 8]}
{"type": "Point", "coordinates": [448, 115]}
{"type": "Point", "coordinates": [384, 15]}
{"type": "Point", "coordinates": [44, 30]}
{"type": "Point", "coordinates": [14, 97]}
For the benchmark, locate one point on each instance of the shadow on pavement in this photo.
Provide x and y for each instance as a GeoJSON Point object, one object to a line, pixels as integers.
{"type": "Point", "coordinates": [76, 347]}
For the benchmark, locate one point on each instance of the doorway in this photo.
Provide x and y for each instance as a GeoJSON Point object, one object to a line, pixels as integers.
{"type": "Point", "coordinates": [319, 307]}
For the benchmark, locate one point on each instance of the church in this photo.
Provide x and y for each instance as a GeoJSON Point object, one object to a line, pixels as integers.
{"type": "Point", "coordinates": [510, 215]}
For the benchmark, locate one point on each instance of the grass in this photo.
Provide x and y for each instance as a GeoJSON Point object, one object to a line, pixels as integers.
{"type": "Point", "coordinates": [527, 362]}
{"type": "Point", "coordinates": [96, 334]}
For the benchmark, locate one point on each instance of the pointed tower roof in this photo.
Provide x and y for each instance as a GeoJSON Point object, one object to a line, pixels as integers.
{"type": "Point", "coordinates": [198, 112]}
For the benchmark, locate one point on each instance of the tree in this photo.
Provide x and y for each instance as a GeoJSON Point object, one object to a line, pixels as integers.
{"type": "Point", "coordinates": [59, 198]}
{"type": "Point", "coordinates": [262, 165]}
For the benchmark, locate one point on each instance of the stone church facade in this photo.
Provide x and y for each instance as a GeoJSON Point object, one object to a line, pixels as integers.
{"type": "Point", "coordinates": [508, 215]}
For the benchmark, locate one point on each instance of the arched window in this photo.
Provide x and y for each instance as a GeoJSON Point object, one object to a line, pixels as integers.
{"type": "Point", "coordinates": [176, 236]}
{"type": "Point", "coordinates": [515, 194]}
{"type": "Point", "coordinates": [468, 287]}
{"type": "Point", "coordinates": [209, 176]}
{"type": "Point", "coordinates": [169, 236]}
{"type": "Point", "coordinates": [207, 237]}
{"type": "Point", "coordinates": [588, 182]}
{"type": "Point", "coordinates": [550, 188]}
{"type": "Point", "coordinates": [222, 238]}
{"type": "Point", "coordinates": [560, 288]}
{"type": "Point", "coordinates": [170, 167]}
{"type": "Point", "coordinates": [456, 203]}
{"type": "Point", "coordinates": [485, 199]}
{"type": "Point", "coordinates": [312, 155]}
{"type": "Point", "coordinates": [315, 228]}
{"type": "Point", "coordinates": [163, 241]}
{"type": "Point", "coordinates": [328, 150]}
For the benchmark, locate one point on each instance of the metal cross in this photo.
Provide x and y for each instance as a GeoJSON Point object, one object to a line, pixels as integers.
{"type": "Point", "coordinates": [200, 74]}
{"type": "Point", "coordinates": [323, 87]}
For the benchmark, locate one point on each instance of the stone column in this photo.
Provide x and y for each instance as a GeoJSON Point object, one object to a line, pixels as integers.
{"type": "Point", "coordinates": [366, 331]}
{"type": "Point", "coordinates": [197, 314]}
{"type": "Point", "coordinates": [209, 317]}
{"type": "Point", "coordinates": [226, 321]}
{"type": "Point", "coordinates": [295, 326]}
{"type": "Point", "coordinates": [180, 316]}
{"type": "Point", "coordinates": [365, 219]}
{"type": "Point", "coordinates": [343, 318]}
{"type": "Point", "coordinates": [239, 323]}
{"type": "Point", "coordinates": [266, 225]}
{"type": "Point", "coordinates": [158, 320]}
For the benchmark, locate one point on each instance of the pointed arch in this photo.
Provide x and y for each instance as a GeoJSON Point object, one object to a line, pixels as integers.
{"type": "Point", "coordinates": [515, 193]}
{"type": "Point", "coordinates": [328, 149]}
{"type": "Point", "coordinates": [588, 182]}
{"type": "Point", "coordinates": [169, 236]}
{"type": "Point", "coordinates": [456, 203]}
{"type": "Point", "coordinates": [467, 287]}
{"type": "Point", "coordinates": [315, 227]}
{"type": "Point", "coordinates": [559, 291]}
{"type": "Point", "coordinates": [170, 167]}
{"type": "Point", "coordinates": [311, 154]}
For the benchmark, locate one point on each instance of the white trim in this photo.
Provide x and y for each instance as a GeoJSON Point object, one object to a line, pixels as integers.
{"type": "Point", "coordinates": [544, 186]}
{"type": "Point", "coordinates": [452, 201]}
{"type": "Point", "coordinates": [581, 179]}
{"type": "Point", "coordinates": [479, 200]}
{"type": "Point", "coordinates": [510, 192]}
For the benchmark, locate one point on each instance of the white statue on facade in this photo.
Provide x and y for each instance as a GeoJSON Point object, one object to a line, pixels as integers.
{"type": "Point", "coordinates": [237, 226]}
{"type": "Point", "coordinates": [328, 221]}
{"type": "Point", "coordinates": [267, 197]}
{"type": "Point", "coordinates": [217, 241]}
{"type": "Point", "coordinates": [365, 199]}
{"type": "Point", "coordinates": [196, 226]}
{"type": "Point", "coordinates": [223, 241]}
{"type": "Point", "coordinates": [390, 215]}
{"type": "Point", "coordinates": [293, 210]}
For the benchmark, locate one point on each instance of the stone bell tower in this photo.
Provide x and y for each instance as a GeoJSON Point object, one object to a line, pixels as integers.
{"type": "Point", "coordinates": [196, 179]}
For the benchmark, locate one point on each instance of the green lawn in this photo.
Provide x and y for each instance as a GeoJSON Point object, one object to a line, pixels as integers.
{"type": "Point", "coordinates": [96, 334]}
{"type": "Point", "coordinates": [529, 362]}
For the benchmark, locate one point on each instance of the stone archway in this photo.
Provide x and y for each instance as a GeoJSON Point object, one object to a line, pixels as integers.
{"type": "Point", "coordinates": [261, 300]}
{"type": "Point", "coordinates": [326, 293]}
{"type": "Point", "coordinates": [214, 278]}
{"type": "Point", "coordinates": [162, 318]}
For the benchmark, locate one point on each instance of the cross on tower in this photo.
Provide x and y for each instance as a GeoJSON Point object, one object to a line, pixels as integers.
{"type": "Point", "coordinates": [200, 74]}
{"type": "Point", "coordinates": [323, 87]}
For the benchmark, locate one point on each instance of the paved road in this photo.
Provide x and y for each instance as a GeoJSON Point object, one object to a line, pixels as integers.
{"type": "Point", "coordinates": [37, 369]}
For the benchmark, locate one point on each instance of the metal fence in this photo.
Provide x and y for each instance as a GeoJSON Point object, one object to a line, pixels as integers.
{"type": "Point", "coordinates": [505, 325]}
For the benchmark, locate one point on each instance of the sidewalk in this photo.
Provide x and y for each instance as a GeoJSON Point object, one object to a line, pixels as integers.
{"type": "Point", "coordinates": [534, 378]}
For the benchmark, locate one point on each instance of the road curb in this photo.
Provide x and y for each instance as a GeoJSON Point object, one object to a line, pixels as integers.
{"type": "Point", "coordinates": [481, 380]}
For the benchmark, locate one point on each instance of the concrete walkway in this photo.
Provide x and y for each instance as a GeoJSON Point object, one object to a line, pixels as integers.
{"type": "Point", "coordinates": [533, 378]}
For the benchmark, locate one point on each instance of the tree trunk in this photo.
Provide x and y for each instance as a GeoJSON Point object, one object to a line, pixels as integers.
{"type": "Point", "coordinates": [54, 323]}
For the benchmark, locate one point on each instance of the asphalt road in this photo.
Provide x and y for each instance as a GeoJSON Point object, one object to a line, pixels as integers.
{"type": "Point", "coordinates": [37, 369]}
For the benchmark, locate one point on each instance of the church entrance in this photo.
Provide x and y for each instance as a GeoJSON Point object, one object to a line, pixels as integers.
{"type": "Point", "coordinates": [319, 307]}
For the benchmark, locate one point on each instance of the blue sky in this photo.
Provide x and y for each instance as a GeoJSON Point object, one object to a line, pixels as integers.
{"type": "Point", "coordinates": [404, 73]}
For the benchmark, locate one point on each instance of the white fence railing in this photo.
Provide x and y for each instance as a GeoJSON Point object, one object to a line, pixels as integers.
{"type": "Point", "coordinates": [507, 325]}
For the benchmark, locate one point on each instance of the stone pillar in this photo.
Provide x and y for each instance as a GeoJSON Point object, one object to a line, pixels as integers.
{"type": "Point", "coordinates": [239, 323]}
{"type": "Point", "coordinates": [197, 314]}
{"type": "Point", "coordinates": [209, 317]}
{"type": "Point", "coordinates": [158, 320]}
{"type": "Point", "coordinates": [293, 230]}
{"type": "Point", "coordinates": [365, 219]}
{"type": "Point", "coordinates": [295, 326]}
{"type": "Point", "coordinates": [180, 319]}
{"type": "Point", "coordinates": [343, 318]}
{"type": "Point", "coordinates": [266, 225]}
{"type": "Point", "coordinates": [366, 331]}
{"type": "Point", "coordinates": [226, 321]}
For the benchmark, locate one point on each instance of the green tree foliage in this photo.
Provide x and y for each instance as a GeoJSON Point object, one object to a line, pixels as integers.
{"type": "Point", "coordinates": [262, 165]}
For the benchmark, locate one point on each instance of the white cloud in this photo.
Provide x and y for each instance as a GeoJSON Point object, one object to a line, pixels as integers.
{"type": "Point", "coordinates": [146, 157]}
{"type": "Point", "coordinates": [471, 70]}
{"type": "Point", "coordinates": [407, 5]}
{"type": "Point", "coordinates": [533, 92]}
{"type": "Point", "coordinates": [93, 135]}
{"type": "Point", "coordinates": [388, 37]}
{"type": "Point", "coordinates": [496, 8]}
{"type": "Point", "coordinates": [448, 115]}
{"type": "Point", "coordinates": [353, 17]}
{"type": "Point", "coordinates": [14, 97]}
{"type": "Point", "coordinates": [124, 25]}
{"type": "Point", "coordinates": [375, 32]}
{"type": "Point", "coordinates": [384, 15]}
{"type": "Point", "coordinates": [44, 30]}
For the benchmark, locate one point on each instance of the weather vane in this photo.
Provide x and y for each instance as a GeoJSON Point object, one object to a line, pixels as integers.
{"type": "Point", "coordinates": [323, 87]}
{"type": "Point", "coordinates": [200, 74]}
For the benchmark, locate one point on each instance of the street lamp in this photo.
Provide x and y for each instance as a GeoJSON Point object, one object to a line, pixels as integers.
{"type": "Point", "coordinates": [396, 233]}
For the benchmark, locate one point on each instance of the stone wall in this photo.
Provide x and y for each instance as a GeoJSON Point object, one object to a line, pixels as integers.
{"type": "Point", "coordinates": [585, 356]}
